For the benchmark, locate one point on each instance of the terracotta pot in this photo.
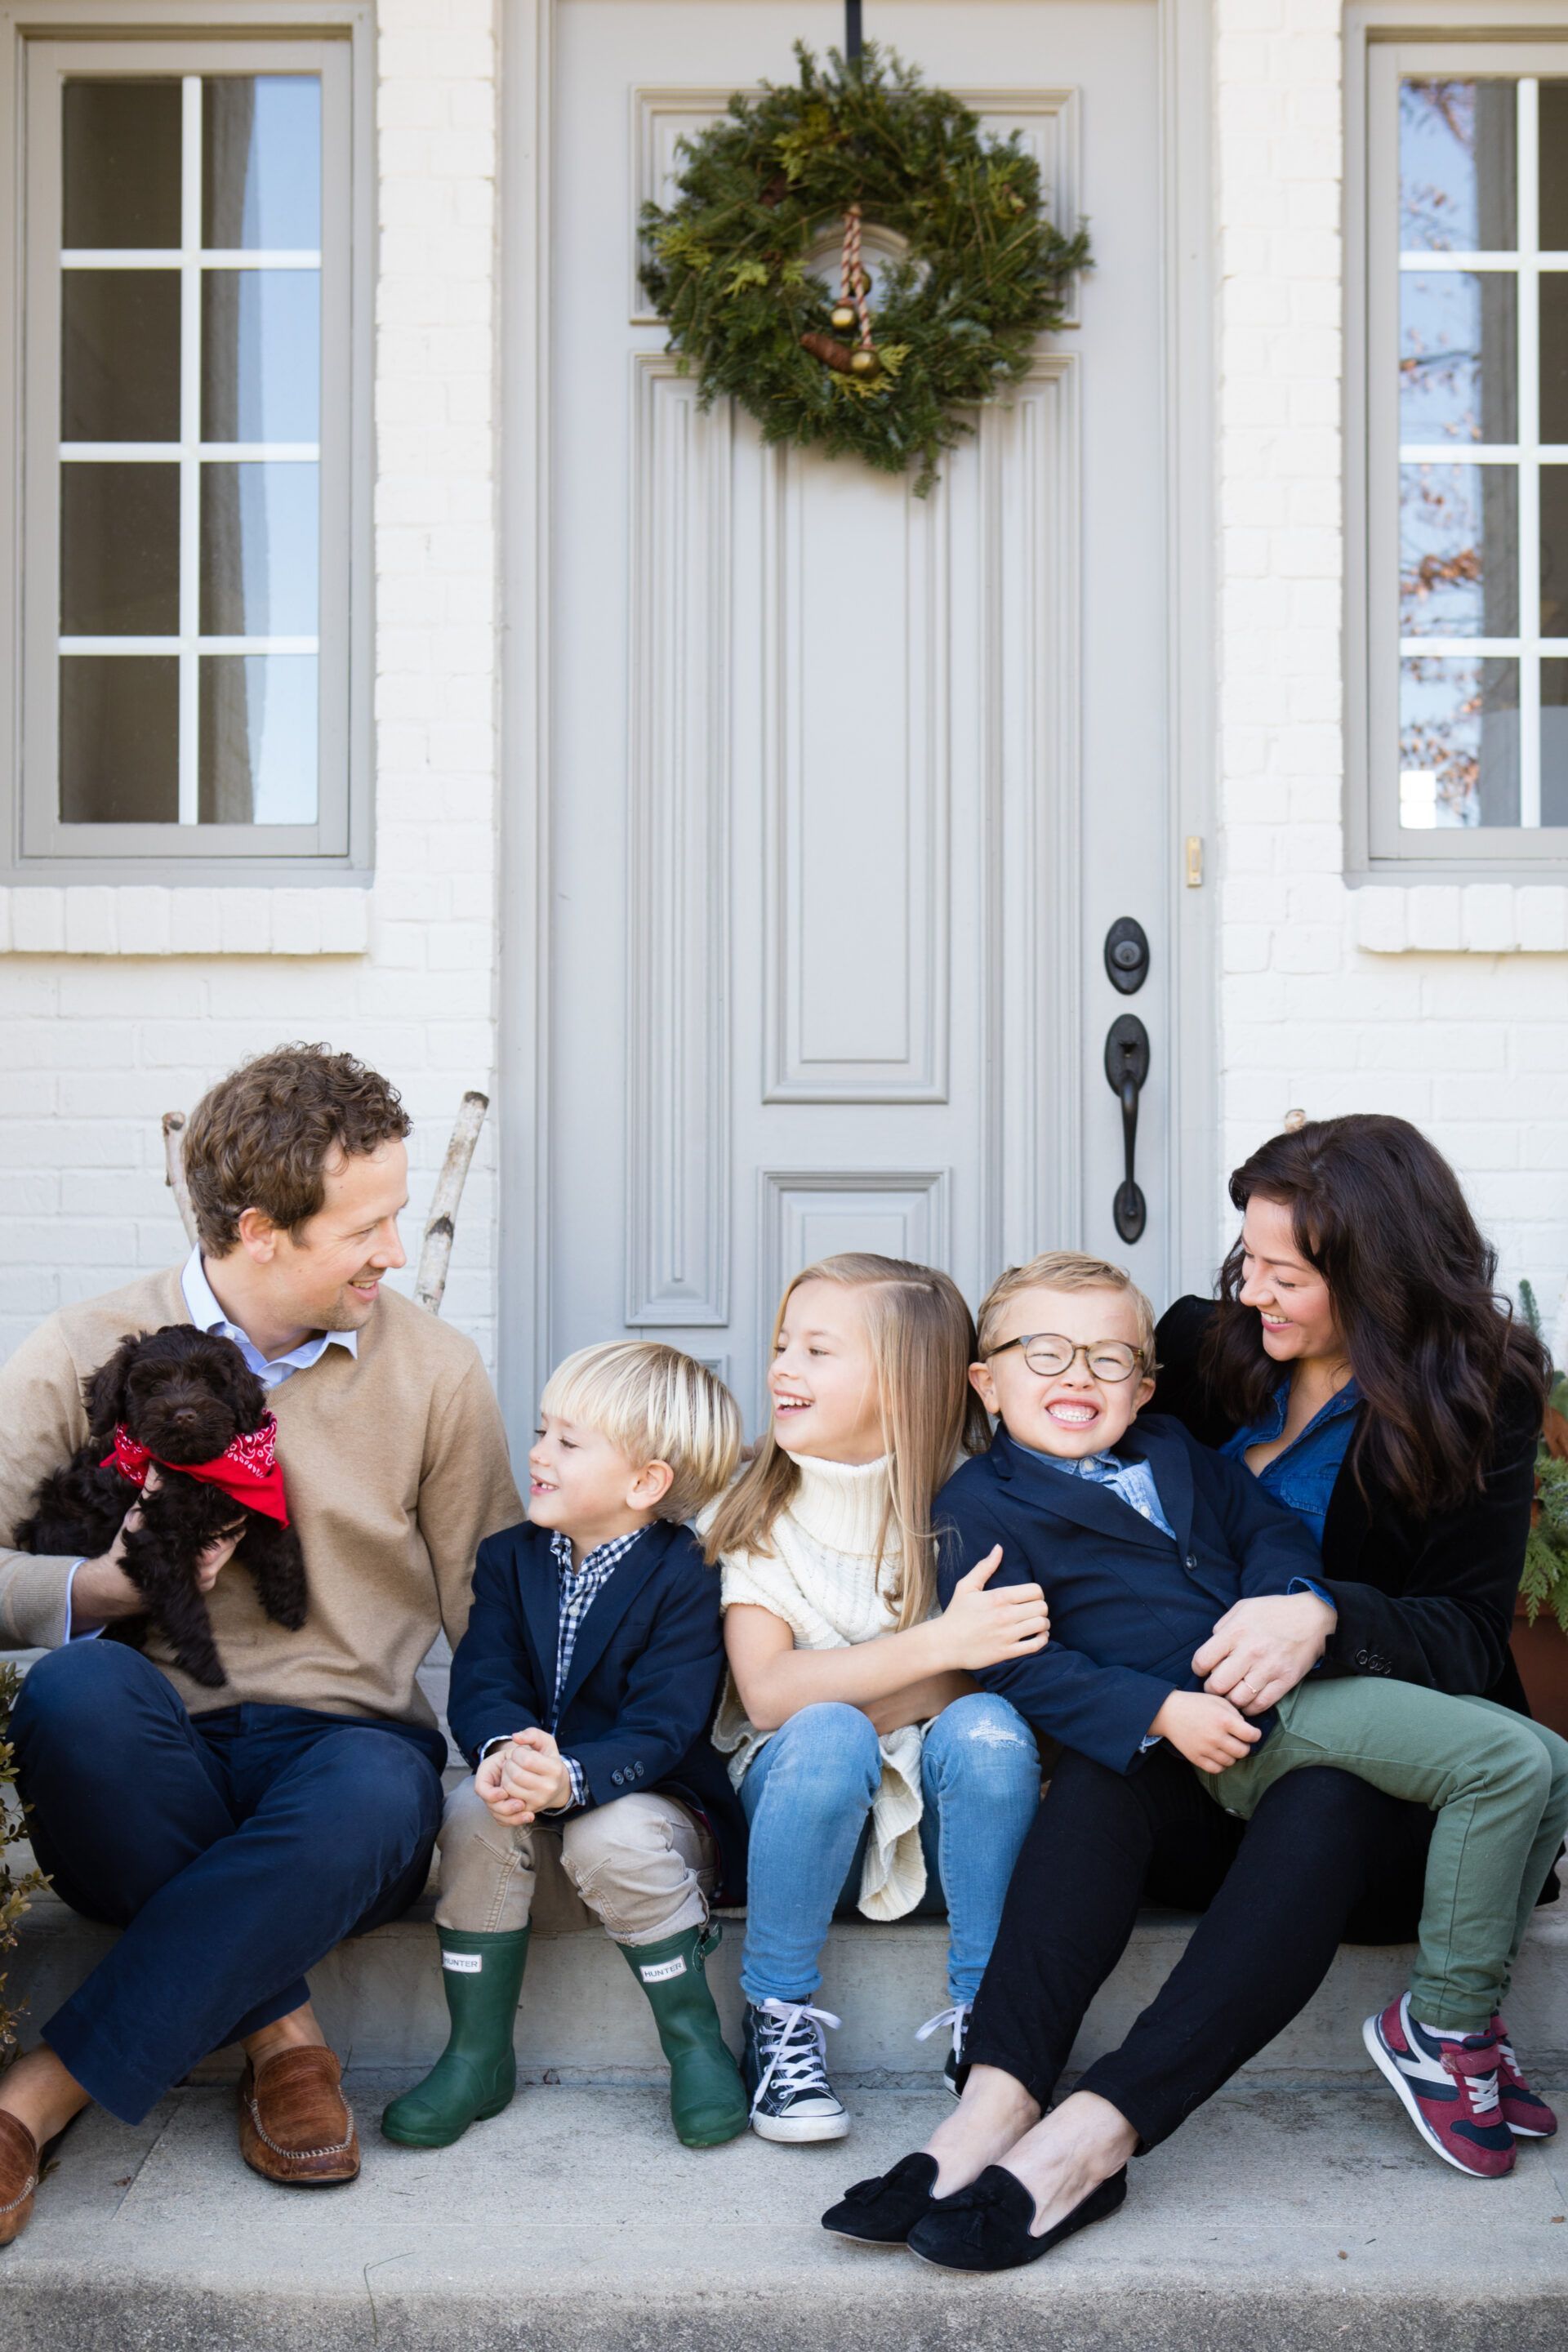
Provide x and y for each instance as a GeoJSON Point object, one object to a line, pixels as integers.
{"type": "Point", "coordinates": [1541, 1654]}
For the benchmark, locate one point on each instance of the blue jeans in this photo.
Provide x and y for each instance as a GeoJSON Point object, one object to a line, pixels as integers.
{"type": "Point", "coordinates": [808, 1795]}
{"type": "Point", "coordinates": [235, 1849]}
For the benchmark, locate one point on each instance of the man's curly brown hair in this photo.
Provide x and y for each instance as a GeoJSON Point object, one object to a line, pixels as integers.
{"type": "Point", "coordinates": [263, 1136]}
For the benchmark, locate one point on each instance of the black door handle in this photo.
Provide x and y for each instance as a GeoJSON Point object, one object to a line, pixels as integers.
{"type": "Point", "coordinates": [1126, 1068]}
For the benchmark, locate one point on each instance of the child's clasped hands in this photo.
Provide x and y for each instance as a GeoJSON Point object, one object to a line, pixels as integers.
{"type": "Point", "coordinates": [524, 1778]}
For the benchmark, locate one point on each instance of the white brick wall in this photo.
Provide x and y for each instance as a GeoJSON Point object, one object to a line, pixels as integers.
{"type": "Point", "coordinates": [1445, 1004]}
{"type": "Point", "coordinates": [116, 1005]}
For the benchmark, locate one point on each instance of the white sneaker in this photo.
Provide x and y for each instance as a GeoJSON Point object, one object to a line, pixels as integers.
{"type": "Point", "coordinates": [785, 2067]}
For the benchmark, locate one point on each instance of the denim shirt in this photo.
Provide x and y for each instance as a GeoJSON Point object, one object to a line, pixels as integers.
{"type": "Point", "coordinates": [1303, 1476]}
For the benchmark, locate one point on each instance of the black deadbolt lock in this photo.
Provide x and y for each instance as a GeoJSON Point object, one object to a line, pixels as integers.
{"type": "Point", "coordinates": [1127, 955]}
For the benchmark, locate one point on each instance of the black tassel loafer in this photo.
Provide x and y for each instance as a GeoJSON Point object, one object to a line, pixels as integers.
{"type": "Point", "coordinates": [882, 2212]}
{"type": "Point", "coordinates": [985, 2227]}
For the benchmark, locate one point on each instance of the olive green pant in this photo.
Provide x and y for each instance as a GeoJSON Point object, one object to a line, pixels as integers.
{"type": "Point", "coordinates": [1499, 1785]}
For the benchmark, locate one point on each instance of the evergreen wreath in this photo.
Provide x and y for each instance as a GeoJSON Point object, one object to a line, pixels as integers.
{"type": "Point", "coordinates": [983, 271]}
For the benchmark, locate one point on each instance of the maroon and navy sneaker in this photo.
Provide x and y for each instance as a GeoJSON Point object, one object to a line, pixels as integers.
{"type": "Point", "coordinates": [1524, 2111]}
{"type": "Point", "coordinates": [1449, 2087]}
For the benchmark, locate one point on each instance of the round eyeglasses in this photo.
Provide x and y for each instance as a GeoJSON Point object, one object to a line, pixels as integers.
{"type": "Point", "coordinates": [1049, 1353]}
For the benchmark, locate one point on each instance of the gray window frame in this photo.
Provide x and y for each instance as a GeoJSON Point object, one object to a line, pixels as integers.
{"type": "Point", "coordinates": [333, 41]}
{"type": "Point", "coordinates": [1384, 43]}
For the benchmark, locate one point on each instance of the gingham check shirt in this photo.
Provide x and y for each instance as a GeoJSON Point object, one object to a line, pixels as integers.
{"type": "Point", "coordinates": [580, 1588]}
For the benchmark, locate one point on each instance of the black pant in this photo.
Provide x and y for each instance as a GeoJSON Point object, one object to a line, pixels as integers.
{"type": "Point", "coordinates": [1325, 1859]}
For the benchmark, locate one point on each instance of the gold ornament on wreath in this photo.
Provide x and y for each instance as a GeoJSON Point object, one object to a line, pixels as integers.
{"type": "Point", "coordinates": [980, 273]}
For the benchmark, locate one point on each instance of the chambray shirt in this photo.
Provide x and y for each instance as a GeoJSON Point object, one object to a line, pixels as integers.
{"type": "Point", "coordinates": [1133, 1481]}
{"type": "Point", "coordinates": [1303, 1476]}
{"type": "Point", "coordinates": [580, 1588]}
{"type": "Point", "coordinates": [206, 1315]}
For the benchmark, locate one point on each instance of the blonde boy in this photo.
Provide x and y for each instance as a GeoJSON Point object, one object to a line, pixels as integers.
{"type": "Point", "coordinates": [582, 1693]}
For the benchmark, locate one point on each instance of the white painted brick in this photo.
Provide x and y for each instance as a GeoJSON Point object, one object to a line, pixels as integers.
{"type": "Point", "coordinates": [1436, 916]}
{"type": "Point", "coordinates": [1488, 917]}
{"type": "Point", "coordinates": [1541, 915]}
{"type": "Point", "coordinates": [1382, 921]}
{"type": "Point", "coordinates": [37, 921]}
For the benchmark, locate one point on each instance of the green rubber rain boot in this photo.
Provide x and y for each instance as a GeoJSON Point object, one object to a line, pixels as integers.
{"type": "Point", "coordinates": [706, 2097]}
{"type": "Point", "coordinates": [476, 2074]}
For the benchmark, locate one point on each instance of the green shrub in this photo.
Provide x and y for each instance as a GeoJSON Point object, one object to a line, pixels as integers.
{"type": "Point", "coordinates": [14, 1891]}
{"type": "Point", "coordinates": [1544, 1581]}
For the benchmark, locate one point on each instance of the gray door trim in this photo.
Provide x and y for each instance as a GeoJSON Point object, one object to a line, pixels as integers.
{"type": "Point", "coordinates": [1191, 1146]}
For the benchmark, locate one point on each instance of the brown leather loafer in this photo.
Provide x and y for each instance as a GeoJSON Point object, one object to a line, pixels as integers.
{"type": "Point", "coordinates": [295, 2127]}
{"type": "Point", "coordinates": [18, 2177]}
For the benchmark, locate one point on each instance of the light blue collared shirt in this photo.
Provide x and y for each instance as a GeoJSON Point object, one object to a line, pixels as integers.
{"type": "Point", "coordinates": [1133, 1481]}
{"type": "Point", "coordinates": [270, 1370]}
{"type": "Point", "coordinates": [205, 1312]}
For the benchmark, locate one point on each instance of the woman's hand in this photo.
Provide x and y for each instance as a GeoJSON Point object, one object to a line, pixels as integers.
{"type": "Point", "coordinates": [1263, 1648]}
{"type": "Point", "coordinates": [981, 1629]}
{"type": "Point", "coordinates": [1209, 1732]}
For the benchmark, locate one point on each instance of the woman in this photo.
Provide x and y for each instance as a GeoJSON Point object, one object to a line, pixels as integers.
{"type": "Point", "coordinates": [1358, 1360]}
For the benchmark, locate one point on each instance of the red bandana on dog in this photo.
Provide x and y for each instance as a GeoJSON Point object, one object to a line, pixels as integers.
{"type": "Point", "coordinates": [246, 1469]}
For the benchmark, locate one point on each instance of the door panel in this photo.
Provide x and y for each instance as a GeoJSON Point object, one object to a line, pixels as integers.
{"type": "Point", "coordinates": [847, 785]}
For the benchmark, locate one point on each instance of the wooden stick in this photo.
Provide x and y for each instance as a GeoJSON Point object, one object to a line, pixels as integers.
{"type": "Point", "coordinates": [436, 1249]}
{"type": "Point", "coordinates": [174, 1169]}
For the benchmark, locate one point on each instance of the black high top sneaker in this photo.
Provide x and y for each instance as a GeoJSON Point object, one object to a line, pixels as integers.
{"type": "Point", "coordinates": [785, 2068]}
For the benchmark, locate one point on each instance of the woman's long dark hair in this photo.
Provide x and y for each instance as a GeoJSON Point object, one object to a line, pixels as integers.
{"type": "Point", "coordinates": [1379, 1212]}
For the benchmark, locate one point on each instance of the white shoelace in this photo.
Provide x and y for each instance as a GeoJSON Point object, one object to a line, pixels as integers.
{"type": "Point", "coordinates": [955, 2017]}
{"type": "Point", "coordinates": [1484, 2091]}
{"type": "Point", "coordinates": [799, 2056]}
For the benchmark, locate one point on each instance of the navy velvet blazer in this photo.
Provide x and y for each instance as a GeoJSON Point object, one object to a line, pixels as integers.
{"type": "Point", "coordinates": [1128, 1605]}
{"type": "Point", "coordinates": [643, 1683]}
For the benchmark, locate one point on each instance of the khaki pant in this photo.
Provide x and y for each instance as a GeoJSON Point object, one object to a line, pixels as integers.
{"type": "Point", "coordinates": [644, 1866]}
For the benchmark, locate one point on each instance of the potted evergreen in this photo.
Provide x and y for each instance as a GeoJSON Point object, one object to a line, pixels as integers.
{"type": "Point", "coordinates": [1541, 1615]}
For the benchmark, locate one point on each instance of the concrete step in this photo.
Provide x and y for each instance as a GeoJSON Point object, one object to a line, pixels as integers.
{"type": "Point", "coordinates": [1300, 2221]}
{"type": "Point", "coordinates": [582, 2017]}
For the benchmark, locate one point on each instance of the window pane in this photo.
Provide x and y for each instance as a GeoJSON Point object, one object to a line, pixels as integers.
{"type": "Point", "coordinates": [1459, 743]}
{"type": "Point", "coordinates": [120, 732]}
{"type": "Point", "coordinates": [260, 551]}
{"type": "Point", "coordinates": [1554, 213]}
{"type": "Point", "coordinates": [261, 161]}
{"type": "Point", "coordinates": [1554, 355]}
{"type": "Point", "coordinates": [1554, 551]}
{"type": "Point", "coordinates": [121, 162]}
{"type": "Point", "coordinates": [120, 355]}
{"type": "Point", "coordinates": [1554, 743]}
{"type": "Point", "coordinates": [1457, 166]}
{"type": "Point", "coordinates": [1458, 551]}
{"type": "Point", "coordinates": [1457, 356]}
{"type": "Point", "coordinates": [120, 550]}
{"type": "Point", "coordinates": [259, 739]}
{"type": "Point", "coordinates": [261, 355]}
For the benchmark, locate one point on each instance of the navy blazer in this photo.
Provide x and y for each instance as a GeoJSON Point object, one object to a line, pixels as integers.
{"type": "Point", "coordinates": [1129, 1606]}
{"type": "Point", "coordinates": [643, 1682]}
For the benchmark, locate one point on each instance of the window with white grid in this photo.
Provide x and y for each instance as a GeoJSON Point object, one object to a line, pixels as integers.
{"type": "Point", "coordinates": [189, 443]}
{"type": "Point", "coordinates": [1466, 469]}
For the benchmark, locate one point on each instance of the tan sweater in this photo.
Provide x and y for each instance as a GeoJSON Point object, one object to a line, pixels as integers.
{"type": "Point", "coordinates": [394, 1463]}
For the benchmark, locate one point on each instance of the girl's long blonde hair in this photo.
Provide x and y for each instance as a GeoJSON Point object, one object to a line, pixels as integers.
{"type": "Point", "coordinates": [922, 1343]}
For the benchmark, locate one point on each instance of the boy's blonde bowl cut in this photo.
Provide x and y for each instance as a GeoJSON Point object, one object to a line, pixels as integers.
{"type": "Point", "coordinates": [1064, 1270]}
{"type": "Point", "coordinates": [921, 1336]}
{"type": "Point", "coordinates": [653, 1404]}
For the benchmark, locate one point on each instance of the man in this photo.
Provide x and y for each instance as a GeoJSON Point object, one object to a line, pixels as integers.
{"type": "Point", "coordinates": [237, 1834]}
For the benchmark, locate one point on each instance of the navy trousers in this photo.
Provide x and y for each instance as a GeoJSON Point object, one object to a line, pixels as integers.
{"type": "Point", "coordinates": [233, 1848]}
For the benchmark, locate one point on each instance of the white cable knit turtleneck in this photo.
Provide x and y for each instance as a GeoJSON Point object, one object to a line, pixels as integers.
{"type": "Point", "coordinates": [824, 1581]}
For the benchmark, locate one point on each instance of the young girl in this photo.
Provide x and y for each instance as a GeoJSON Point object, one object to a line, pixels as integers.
{"type": "Point", "coordinates": [868, 1765]}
